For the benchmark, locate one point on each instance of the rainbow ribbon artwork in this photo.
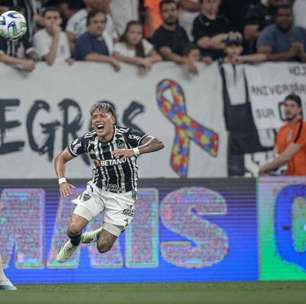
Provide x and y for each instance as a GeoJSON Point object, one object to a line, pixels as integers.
{"type": "Point", "coordinates": [186, 128]}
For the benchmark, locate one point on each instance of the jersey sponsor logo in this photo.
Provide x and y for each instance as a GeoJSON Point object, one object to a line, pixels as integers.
{"type": "Point", "coordinates": [110, 162]}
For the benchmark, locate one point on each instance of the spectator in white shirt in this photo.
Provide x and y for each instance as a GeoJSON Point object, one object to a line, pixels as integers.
{"type": "Point", "coordinates": [122, 12]}
{"type": "Point", "coordinates": [76, 25]}
{"type": "Point", "coordinates": [134, 49]}
{"type": "Point", "coordinates": [51, 43]}
{"type": "Point", "coordinates": [188, 11]}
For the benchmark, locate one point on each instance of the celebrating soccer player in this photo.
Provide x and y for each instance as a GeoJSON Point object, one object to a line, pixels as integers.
{"type": "Point", "coordinates": [112, 190]}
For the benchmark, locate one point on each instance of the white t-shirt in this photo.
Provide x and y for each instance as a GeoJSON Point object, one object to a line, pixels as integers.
{"type": "Point", "coordinates": [299, 11]}
{"type": "Point", "coordinates": [186, 19]}
{"type": "Point", "coordinates": [77, 24]}
{"type": "Point", "coordinates": [124, 50]}
{"type": "Point", "coordinates": [42, 43]}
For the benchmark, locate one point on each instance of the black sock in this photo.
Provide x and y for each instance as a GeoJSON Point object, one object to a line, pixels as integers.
{"type": "Point", "coordinates": [75, 239]}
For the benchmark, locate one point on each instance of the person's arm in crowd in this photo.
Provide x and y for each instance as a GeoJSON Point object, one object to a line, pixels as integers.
{"type": "Point", "coordinates": [252, 58]}
{"type": "Point", "coordinates": [190, 6]}
{"type": "Point", "coordinates": [51, 55]}
{"type": "Point", "coordinates": [25, 64]}
{"type": "Point", "coordinates": [154, 57]}
{"type": "Point", "coordinates": [216, 42]}
{"type": "Point", "coordinates": [71, 38]}
{"type": "Point", "coordinates": [103, 58]}
{"type": "Point", "coordinates": [284, 56]}
{"type": "Point", "coordinates": [280, 160]}
{"type": "Point", "coordinates": [168, 55]}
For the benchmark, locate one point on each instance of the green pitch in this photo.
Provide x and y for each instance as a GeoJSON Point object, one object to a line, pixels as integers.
{"type": "Point", "coordinates": [184, 293]}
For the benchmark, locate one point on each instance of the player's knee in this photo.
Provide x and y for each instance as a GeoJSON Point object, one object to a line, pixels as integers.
{"type": "Point", "coordinates": [104, 246]}
{"type": "Point", "coordinates": [73, 230]}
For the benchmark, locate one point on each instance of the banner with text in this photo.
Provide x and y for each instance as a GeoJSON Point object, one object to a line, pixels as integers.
{"type": "Point", "coordinates": [268, 85]}
{"type": "Point", "coordinates": [43, 111]}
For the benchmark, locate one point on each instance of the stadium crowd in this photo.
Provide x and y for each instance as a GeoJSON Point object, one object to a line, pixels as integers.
{"type": "Point", "coordinates": [143, 32]}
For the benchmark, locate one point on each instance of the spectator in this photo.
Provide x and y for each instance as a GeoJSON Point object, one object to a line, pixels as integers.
{"type": "Point", "coordinates": [95, 44]}
{"type": "Point", "coordinates": [258, 17]}
{"type": "Point", "coordinates": [290, 141]}
{"type": "Point", "coordinates": [235, 11]}
{"type": "Point", "coordinates": [122, 12]}
{"type": "Point", "coordinates": [234, 49]}
{"type": "Point", "coordinates": [152, 19]}
{"type": "Point", "coordinates": [170, 39]}
{"type": "Point", "coordinates": [19, 53]}
{"type": "Point", "coordinates": [133, 49]}
{"type": "Point", "coordinates": [104, 7]}
{"type": "Point", "coordinates": [51, 43]}
{"type": "Point", "coordinates": [299, 10]}
{"type": "Point", "coordinates": [283, 41]}
{"type": "Point", "coordinates": [210, 29]}
{"type": "Point", "coordinates": [193, 55]}
{"type": "Point", "coordinates": [188, 11]}
{"type": "Point", "coordinates": [68, 8]}
{"type": "Point", "coordinates": [76, 25]}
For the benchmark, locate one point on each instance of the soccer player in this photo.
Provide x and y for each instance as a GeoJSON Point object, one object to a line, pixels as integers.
{"type": "Point", "coordinates": [290, 141]}
{"type": "Point", "coordinates": [114, 151]}
{"type": "Point", "coordinates": [5, 283]}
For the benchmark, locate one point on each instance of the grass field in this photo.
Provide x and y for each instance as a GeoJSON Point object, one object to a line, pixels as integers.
{"type": "Point", "coordinates": [187, 293]}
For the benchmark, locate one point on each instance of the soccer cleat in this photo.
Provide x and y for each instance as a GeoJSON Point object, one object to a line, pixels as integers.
{"type": "Point", "coordinates": [90, 236]}
{"type": "Point", "coordinates": [7, 285]}
{"type": "Point", "coordinates": [66, 252]}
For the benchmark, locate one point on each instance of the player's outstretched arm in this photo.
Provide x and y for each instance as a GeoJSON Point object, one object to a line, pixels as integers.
{"type": "Point", "coordinates": [61, 159]}
{"type": "Point", "coordinates": [150, 144]}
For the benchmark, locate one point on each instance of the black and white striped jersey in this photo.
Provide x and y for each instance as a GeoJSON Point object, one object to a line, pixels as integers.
{"type": "Point", "coordinates": [111, 174]}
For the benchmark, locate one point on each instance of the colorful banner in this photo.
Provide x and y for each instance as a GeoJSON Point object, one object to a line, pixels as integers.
{"type": "Point", "coordinates": [41, 112]}
{"type": "Point", "coordinates": [184, 230]}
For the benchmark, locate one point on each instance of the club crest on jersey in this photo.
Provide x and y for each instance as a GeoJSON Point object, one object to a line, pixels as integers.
{"type": "Point", "coordinates": [130, 211]}
{"type": "Point", "coordinates": [120, 143]}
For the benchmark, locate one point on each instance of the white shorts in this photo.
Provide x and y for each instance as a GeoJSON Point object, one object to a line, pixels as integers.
{"type": "Point", "coordinates": [118, 208]}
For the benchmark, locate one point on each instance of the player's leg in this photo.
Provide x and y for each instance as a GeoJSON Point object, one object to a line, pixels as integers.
{"type": "Point", "coordinates": [5, 283]}
{"type": "Point", "coordinates": [74, 232]}
{"type": "Point", "coordinates": [105, 240]}
{"type": "Point", "coordinates": [88, 207]}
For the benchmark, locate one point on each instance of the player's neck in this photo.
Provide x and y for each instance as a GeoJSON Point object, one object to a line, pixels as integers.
{"type": "Point", "coordinates": [107, 137]}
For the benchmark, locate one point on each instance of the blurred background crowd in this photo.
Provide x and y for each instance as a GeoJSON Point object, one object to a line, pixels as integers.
{"type": "Point", "coordinates": [143, 32]}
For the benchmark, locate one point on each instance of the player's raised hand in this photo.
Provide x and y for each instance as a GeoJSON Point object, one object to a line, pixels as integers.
{"type": "Point", "coordinates": [66, 189]}
{"type": "Point", "coordinates": [123, 153]}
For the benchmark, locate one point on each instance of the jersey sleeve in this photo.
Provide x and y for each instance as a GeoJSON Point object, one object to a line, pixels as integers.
{"type": "Point", "coordinates": [134, 138]}
{"type": "Point", "coordinates": [78, 146]}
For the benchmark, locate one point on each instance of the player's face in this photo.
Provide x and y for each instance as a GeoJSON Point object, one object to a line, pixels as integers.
{"type": "Point", "coordinates": [291, 109]}
{"type": "Point", "coordinates": [52, 18]}
{"type": "Point", "coordinates": [169, 13]}
{"type": "Point", "coordinates": [103, 122]}
{"type": "Point", "coordinates": [96, 25]}
{"type": "Point", "coordinates": [134, 34]}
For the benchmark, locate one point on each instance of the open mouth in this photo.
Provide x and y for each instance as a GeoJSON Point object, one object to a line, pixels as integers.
{"type": "Point", "coordinates": [100, 126]}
